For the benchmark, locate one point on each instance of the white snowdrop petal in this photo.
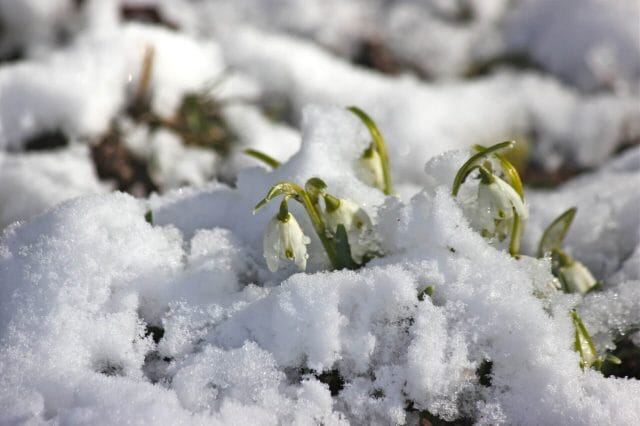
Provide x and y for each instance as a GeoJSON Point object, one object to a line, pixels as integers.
{"type": "Point", "coordinates": [370, 170]}
{"type": "Point", "coordinates": [577, 278]}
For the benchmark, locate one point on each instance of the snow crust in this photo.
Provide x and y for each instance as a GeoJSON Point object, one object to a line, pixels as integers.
{"type": "Point", "coordinates": [51, 93]}
{"type": "Point", "coordinates": [107, 317]}
{"type": "Point", "coordinates": [444, 39]}
{"type": "Point", "coordinates": [33, 182]}
{"type": "Point", "coordinates": [83, 283]}
{"type": "Point", "coordinates": [423, 120]}
{"type": "Point", "coordinates": [599, 48]}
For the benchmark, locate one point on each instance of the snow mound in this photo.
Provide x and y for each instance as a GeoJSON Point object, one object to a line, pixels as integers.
{"type": "Point", "coordinates": [33, 182]}
{"type": "Point", "coordinates": [107, 318]}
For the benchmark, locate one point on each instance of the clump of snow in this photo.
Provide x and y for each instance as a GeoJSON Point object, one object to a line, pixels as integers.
{"type": "Point", "coordinates": [442, 40]}
{"type": "Point", "coordinates": [422, 120]}
{"type": "Point", "coordinates": [33, 24]}
{"type": "Point", "coordinates": [173, 165]}
{"type": "Point", "coordinates": [182, 321]}
{"type": "Point", "coordinates": [447, 38]}
{"type": "Point", "coordinates": [80, 89]}
{"type": "Point", "coordinates": [599, 48]}
{"type": "Point", "coordinates": [33, 182]}
{"type": "Point", "coordinates": [606, 229]}
{"type": "Point", "coordinates": [110, 315]}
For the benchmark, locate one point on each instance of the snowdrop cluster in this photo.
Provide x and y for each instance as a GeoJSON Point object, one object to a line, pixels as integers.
{"type": "Point", "coordinates": [183, 320]}
{"type": "Point", "coordinates": [573, 276]}
{"type": "Point", "coordinates": [344, 228]}
{"type": "Point", "coordinates": [500, 211]}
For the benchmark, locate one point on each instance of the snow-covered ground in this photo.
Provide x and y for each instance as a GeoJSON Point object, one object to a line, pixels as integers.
{"type": "Point", "coordinates": [110, 316]}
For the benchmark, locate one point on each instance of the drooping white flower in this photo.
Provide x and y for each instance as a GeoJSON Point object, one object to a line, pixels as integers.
{"type": "Point", "coordinates": [356, 221]}
{"type": "Point", "coordinates": [576, 278]}
{"type": "Point", "coordinates": [348, 214]}
{"type": "Point", "coordinates": [370, 168]}
{"type": "Point", "coordinates": [285, 240]}
{"type": "Point", "coordinates": [497, 201]}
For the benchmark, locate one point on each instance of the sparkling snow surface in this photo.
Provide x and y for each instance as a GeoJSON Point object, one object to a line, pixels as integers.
{"type": "Point", "coordinates": [107, 319]}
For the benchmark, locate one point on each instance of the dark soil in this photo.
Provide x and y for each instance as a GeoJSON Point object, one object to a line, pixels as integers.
{"type": "Point", "coordinates": [116, 163]}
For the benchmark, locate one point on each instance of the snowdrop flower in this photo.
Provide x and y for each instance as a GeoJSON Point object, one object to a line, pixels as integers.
{"type": "Point", "coordinates": [574, 276]}
{"type": "Point", "coordinates": [497, 201]}
{"type": "Point", "coordinates": [370, 168]}
{"type": "Point", "coordinates": [285, 240]}
{"type": "Point", "coordinates": [340, 211]}
{"type": "Point", "coordinates": [355, 220]}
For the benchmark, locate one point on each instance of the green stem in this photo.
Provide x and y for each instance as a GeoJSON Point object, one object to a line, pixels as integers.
{"type": "Point", "coordinates": [270, 161]}
{"type": "Point", "coordinates": [381, 147]}
{"type": "Point", "coordinates": [283, 213]}
{"type": "Point", "coordinates": [472, 163]}
{"type": "Point", "coordinates": [516, 231]}
{"type": "Point", "coordinates": [487, 177]}
{"type": "Point", "coordinates": [318, 226]}
{"type": "Point", "coordinates": [583, 343]}
{"type": "Point", "coordinates": [509, 170]}
{"type": "Point", "coordinates": [290, 189]}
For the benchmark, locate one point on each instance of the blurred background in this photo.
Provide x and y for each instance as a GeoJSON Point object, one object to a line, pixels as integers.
{"type": "Point", "coordinates": [153, 96]}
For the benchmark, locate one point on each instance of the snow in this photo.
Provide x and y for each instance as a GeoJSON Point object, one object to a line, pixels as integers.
{"type": "Point", "coordinates": [600, 40]}
{"type": "Point", "coordinates": [34, 182]}
{"type": "Point", "coordinates": [48, 93]}
{"type": "Point", "coordinates": [111, 315]}
{"type": "Point", "coordinates": [422, 120]}
{"type": "Point", "coordinates": [233, 345]}
{"type": "Point", "coordinates": [442, 39]}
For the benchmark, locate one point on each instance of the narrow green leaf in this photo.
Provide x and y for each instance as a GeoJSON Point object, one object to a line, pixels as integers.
{"type": "Point", "coordinates": [148, 216]}
{"type": "Point", "coordinates": [474, 161]}
{"type": "Point", "coordinates": [427, 291]}
{"type": "Point", "coordinates": [343, 250]}
{"type": "Point", "coordinates": [280, 188]}
{"type": "Point", "coordinates": [555, 233]}
{"type": "Point", "coordinates": [512, 174]}
{"type": "Point", "coordinates": [268, 160]}
{"type": "Point", "coordinates": [516, 233]}
{"type": "Point", "coordinates": [583, 343]}
{"type": "Point", "coordinates": [513, 177]}
{"type": "Point", "coordinates": [381, 147]}
{"type": "Point", "coordinates": [613, 359]}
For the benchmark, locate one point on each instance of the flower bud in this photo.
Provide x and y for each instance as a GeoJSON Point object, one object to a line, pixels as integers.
{"type": "Point", "coordinates": [574, 276]}
{"type": "Point", "coordinates": [370, 168]}
{"type": "Point", "coordinates": [285, 240]}
{"type": "Point", "coordinates": [497, 201]}
{"type": "Point", "coordinates": [355, 220]}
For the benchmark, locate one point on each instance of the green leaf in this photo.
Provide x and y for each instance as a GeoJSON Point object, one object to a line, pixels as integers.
{"type": "Point", "coordinates": [613, 359]}
{"type": "Point", "coordinates": [474, 161]}
{"type": "Point", "coordinates": [513, 177]}
{"type": "Point", "coordinates": [427, 291]}
{"type": "Point", "coordinates": [343, 250]}
{"type": "Point", "coordinates": [555, 233]}
{"type": "Point", "coordinates": [281, 188]}
{"type": "Point", "coordinates": [516, 233]}
{"type": "Point", "coordinates": [380, 145]}
{"type": "Point", "coordinates": [315, 187]}
{"type": "Point", "coordinates": [268, 160]}
{"type": "Point", "coordinates": [583, 343]}
{"type": "Point", "coordinates": [148, 216]}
